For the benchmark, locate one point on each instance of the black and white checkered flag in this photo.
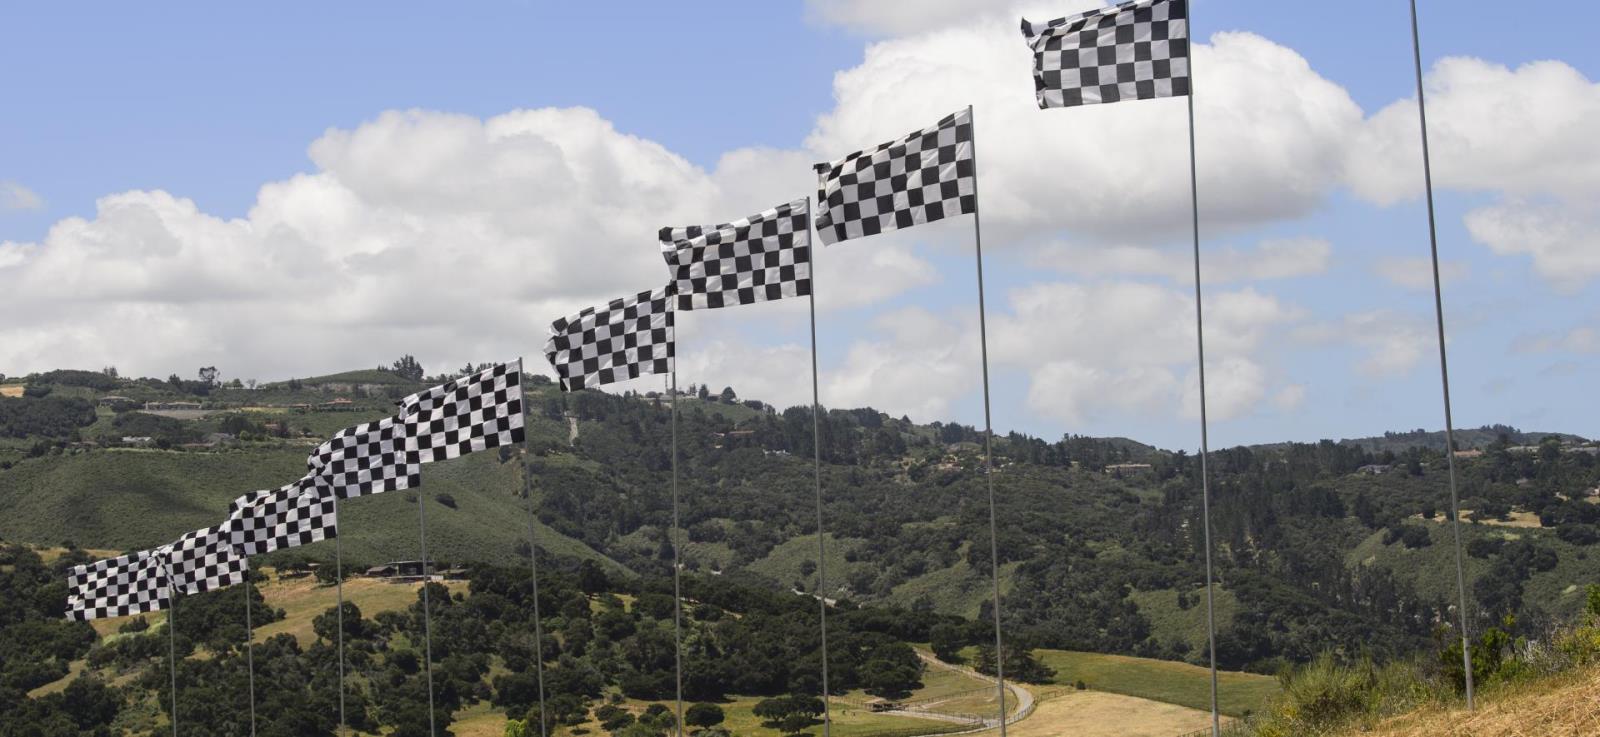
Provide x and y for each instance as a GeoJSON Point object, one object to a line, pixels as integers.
{"type": "Point", "coordinates": [625, 339]}
{"type": "Point", "coordinates": [205, 560]}
{"type": "Point", "coordinates": [923, 177]}
{"type": "Point", "coordinates": [120, 586]}
{"type": "Point", "coordinates": [292, 515]}
{"type": "Point", "coordinates": [760, 258]}
{"type": "Point", "coordinates": [472, 413]}
{"type": "Point", "coordinates": [1134, 51]}
{"type": "Point", "coordinates": [370, 458]}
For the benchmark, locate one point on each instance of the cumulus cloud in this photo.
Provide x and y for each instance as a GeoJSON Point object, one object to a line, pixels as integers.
{"type": "Point", "coordinates": [15, 197]}
{"type": "Point", "coordinates": [1416, 274]}
{"type": "Point", "coordinates": [1271, 132]}
{"type": "Point", "coordinates": [1269, 259]}
{"type": "Point", "coordinates": [1392, 343]}
{"type": "Point", "coordinates": [1563, 240]}
{"type": "Point", "coordinates": [1523, 131]}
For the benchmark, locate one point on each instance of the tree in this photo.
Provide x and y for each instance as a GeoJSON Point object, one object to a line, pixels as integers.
{"type": "Point", "coordinates": [408, 368]}
{"type": "Point", "coordinates": [727, 396]}
{"type": "Point", "coordinates": [208, 375]}
{"type": "Point", "coordinates": [789, 714]}
{"type": "Point", "coordinates": [703, 715]}
{"type": "Point", "coordinates": [704, 393]}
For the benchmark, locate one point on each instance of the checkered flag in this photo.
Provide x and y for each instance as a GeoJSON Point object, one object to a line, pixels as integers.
{"type": "Point", "coordinates": [926, 176]}
{"type": "Point", "coordinates": [760, 258]}
{"type": "Point", "coordinates": [117, 587]}
{"type": "Point", "coordinates": [469, 414]}
{"type": "Point", "coordinates": [205, 560]}
{"type": "Point", "coordinates": [625, 339]}
{"type": "Point", "coordinates": [292, 515]}
{"type": "Point", "coordinates": [1134, 51]}
{"type": "Point", "coordinates": [370, 458]}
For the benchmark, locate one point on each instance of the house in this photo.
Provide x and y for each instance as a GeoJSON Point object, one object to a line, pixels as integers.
{"type": "Point", "coordinates": [1118, 468]}
{"type": "Point", "coordinates": [139, 440]}
{"type": "Point", "coordinates": [1375, 469]}
{"type": "Point", "coordinates": [404, 570]}
{"type": "Point", "coordinates": [1474, 453]}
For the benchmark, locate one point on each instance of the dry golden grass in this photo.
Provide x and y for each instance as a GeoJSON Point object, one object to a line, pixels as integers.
{"type": "Point", "coordinates": [11, 390]}
{"type": "Point", "coordinates": [302, 599]}
{"type": "Point", "coordinates": [1100, 714]}
{"type": "Point", "coordinates": [1568, 707]}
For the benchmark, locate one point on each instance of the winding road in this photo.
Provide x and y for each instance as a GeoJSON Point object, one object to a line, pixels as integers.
{"type": "Point", "coordinates": [1020, 696]}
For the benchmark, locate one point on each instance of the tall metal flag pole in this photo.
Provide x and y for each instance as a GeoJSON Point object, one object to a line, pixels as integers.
{"type": "Point", "coordinates": [533, 557]}
{"type": "Point", "coordinates": [250, 649]}
{"type": "Point", "coordinates": [816, 448]}
{"type": "Point", "coordinates": [1200, 350]}
{"type": "Point", "coordinates": [677, 590]}
{"type": "Point", "coordinates": [988, 438]}
{"type": "Point", "coordinates": [172, 650]}
{"type": "Point", "coordinates": [427, 626]}
{"type": "Point", "coordinates": [338, 582]}
{"type": "Point", "coordinates": [1444, 364]}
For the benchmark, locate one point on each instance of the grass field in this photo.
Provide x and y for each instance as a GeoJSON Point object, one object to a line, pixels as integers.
{"type": "Point", "coordinates": [1100, 714]}
{"type": "Point", "coordinates": [1168, 622]}
{"type": "Point", "coordinates": [302, 599]}
{"type": "Point", "coordinates": [1159, 680]}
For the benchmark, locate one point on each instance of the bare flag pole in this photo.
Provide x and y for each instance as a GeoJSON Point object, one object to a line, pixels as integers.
{"type": "Point", "coordinates": [677, 590]}
{"type": "Point", "coordinates": [427, 626]}
{"type": "Point", "coordinates": [1444, 364]}
{"type": "Point", "coordinates": [338, 582]}
{"type": "Point", "coordinates": [988, 437]}
{"type": "Point", "coordinates": [533, 550]}
{"type": "Point", "coordinates": [250, 647]}
{"type": "Point", "coordinates": [172, 647]}
{"type": "Point", "coordinates": [816, 448]}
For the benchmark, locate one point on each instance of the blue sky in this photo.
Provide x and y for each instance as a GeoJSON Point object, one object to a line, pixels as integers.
{"type": "Point", "coordinates": [211, 104]}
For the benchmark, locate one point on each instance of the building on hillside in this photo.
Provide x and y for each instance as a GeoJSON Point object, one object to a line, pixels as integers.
{"type": "Point", "coordinates": [1523, 449]}
{"type": "Point", "coordinates": [112, 400]}
{"type": "Point", "coordinates": [338, 404]}
{"type": "Point", "coordinates": [139, 440]}
{"type": "Point", "coordinates": [1473, 453]}
{"type": "Point", "coordinates": [1121, 468]}
{"type": "Point", "coordinates": [1375, 469]}
{"type": "Point", "coordinates": [404, 570]}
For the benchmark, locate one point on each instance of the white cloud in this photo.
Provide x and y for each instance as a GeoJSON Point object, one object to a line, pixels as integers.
{"type": "Point", "coordinates": [1290, 397]}
{"type": "Point", "coordinates": [15, 197]}
{"type": "Point", "coordinates": [918, 365]}
{"type": "Point", "coordinates": [1582, 339]}
{"type": "Point", "coordinates": [1234, 386]}
{"type": "Point", "coordinates": [1527, 131]}
{"type": "Point", "coordinates": [1416, 274]}
{"type": "Point", "coordinates": [1563, 240]}
{"type": "Point", "coordinates": [1269, 259]}
{"type": "Point", "coordinates": [1392, 344]}
{"type": "Point", "coordinates": [1271, 135]}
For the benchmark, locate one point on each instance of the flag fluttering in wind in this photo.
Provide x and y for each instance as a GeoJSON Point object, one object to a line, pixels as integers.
{"type": "Point", "coordinates": [625, 339]}
{"type": "Point", "coordinates": [370, 458]}
{"type": "Point", "coordinates": [760, 258]}
{"type": "Point", "coordinates": [469, 414]}
{"type": "Point", "coordinates": [120, 586]}
{"type": "Point", "coordinates": [926, 176]}
{"type": "Point", "coordinates": [292, 515]}
{"type": "Point", "coordinates": [1133, 51]}
{"type": "Point", "coordinates": [205, 560]}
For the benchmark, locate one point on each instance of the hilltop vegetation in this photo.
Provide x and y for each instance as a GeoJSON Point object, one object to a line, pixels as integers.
{"type": "Point", "coordinates": [1326, 547]}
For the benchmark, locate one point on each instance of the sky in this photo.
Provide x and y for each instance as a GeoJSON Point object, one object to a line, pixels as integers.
{"type": "Point", "coordinates": [314, 188]}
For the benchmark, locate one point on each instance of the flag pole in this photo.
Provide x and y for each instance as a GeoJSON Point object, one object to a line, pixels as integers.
{"type": "Point", "coordinates": [1200, 352]}
{"type": "Point", "coordinates": [816, 447]}
{"type": "Point", "coordinates": [988, 436]}
{"type": "Point", "coordinates": [1444, 364]}
{"type": "Point", "coordinates": [250, 647]}
{"type": "Point", "coordinates": [533, 550]}
{"type": "Point", "coordinates": [338, 582]}
{"type": "Point", "coordinates": [677, 590]}
{"type": "Point", "coordinates": [172, 647]}
{"type": "Point", "coordinates": [427, 626]}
